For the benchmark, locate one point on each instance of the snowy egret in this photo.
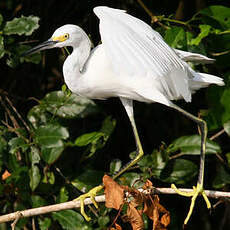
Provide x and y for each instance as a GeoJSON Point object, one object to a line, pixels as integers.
{"type": "Point", "coordinates": [132, 63]}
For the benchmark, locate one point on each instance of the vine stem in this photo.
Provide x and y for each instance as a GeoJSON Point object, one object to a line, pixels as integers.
{"type": "Point", "coordinates": [75, 204]}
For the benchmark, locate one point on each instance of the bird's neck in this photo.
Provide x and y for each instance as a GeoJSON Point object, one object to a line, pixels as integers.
{"type": "Point", "coordinates": [74, 65]}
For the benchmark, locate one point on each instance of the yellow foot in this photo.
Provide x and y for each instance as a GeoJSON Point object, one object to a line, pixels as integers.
{"type": "Point", "coordinates": [198, 190]}
{"type": "Point", "coordinates": [91, 194]}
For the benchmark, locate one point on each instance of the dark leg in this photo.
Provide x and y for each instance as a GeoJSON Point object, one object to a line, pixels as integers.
{"type": "Point", "coordinates": [198, 190]}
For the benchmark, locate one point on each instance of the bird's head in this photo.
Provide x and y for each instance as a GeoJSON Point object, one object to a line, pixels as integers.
{"type": "Point", "coordinates": [67, 35]}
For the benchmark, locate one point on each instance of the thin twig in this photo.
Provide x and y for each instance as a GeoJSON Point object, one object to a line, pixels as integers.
{"type": "Point", "coordinates": [76, 204]}
{"type": "Point", "coordinates": [220, 53]}
{"type": "Point", "coordinates": [176, 156]}
{"type": "Point", "coordinates": [217, 134]}
{"type": "Point", "coordinates": [12, 118]}
{"type": "Point", "coordinates": [17, 217]}
{"type": "Point", "coordinates": [154, 19]}
{"type": "Point", "coordinates": [146, 9]}
{"type": "Point", "coordinates": [18, 114]}
{"type": "Point", "coordinates": [33, 224]}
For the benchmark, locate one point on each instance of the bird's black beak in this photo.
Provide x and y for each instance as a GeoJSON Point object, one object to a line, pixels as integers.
{"type": "Point", "coordinates": [43, 46]}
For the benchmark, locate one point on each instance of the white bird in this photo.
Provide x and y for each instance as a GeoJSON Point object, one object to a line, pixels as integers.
{"type": "Point", "coordinates": [132, 63]}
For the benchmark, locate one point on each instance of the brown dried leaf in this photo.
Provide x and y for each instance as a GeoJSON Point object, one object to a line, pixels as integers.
{"type": "Point", "coordinates": [135, 218]}
{"type": "Point", "coordinates": [148, 184]}
{"type": "Point", "coordinates": [156, 212]}
{"type": "Point", "coordinates": [138, 197]}
{"type": "Point", "coordinates": [165, 219]}
{"type": "Point", "coordinates": [5, 175]}
{"type": "Point", "coordinates": [117, 227]}
{"type": "Point", "coordinates": [114, 193]}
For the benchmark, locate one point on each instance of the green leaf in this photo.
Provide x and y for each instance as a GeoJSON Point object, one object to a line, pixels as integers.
{"type": "Point", "coordinates": [38, 201]}
{"type": "Point", "coordinates": [2, 50]}
{"type": "Point", "coordinates": [115, 166]}
{"type": "Point", "coordinates": [179, 171]}
{"type": "Point", "coordinates": [13, 164]}
{"type": "Point", "coordinates": [51, 136]}
{"type": "Point", "coordinates": [17, 143]}
{"type": "Point", "coordinates": [38, 116]}
{"type": "Point", "coordinates": [204, 32]}
{"type": "Point", "coordinates": [3, 145]}
{"type": "Point", "coordinates": [103, 221]}
{"type": "Point", "coordinates": [228, 158]}
{"type": "Point", "coordinates": [3, 148]}
{"type": "Point", "coordinates": [219, 14]}
{"type": "Point", "coordinates": [194, 48]}
{"type": "Point", "coordinates": [44, 223]}
{"type": "Point", "coordinates": [154, 163]}
{"type": "Point", "coordinates": [34, 58]}
{"type": "Point", "coordinates": [50, 155]}
{"type": "Point", "coordinates": [34, 155]}
{"type": "Point", "coordinates": [108, 127]}
{"type": "Point", "coordinates": [88, 138]}
{"type": "Point", "coordinates": [190, 145]}
{"type": "Point", "coordinates": [68, 106]}
{"type": "Point", "coordinates": [219, 111]}
{"type": "Point", "coordinates": [225, 103]}
{"type": "Point", "coordinates": [222, 178]}
{"type": "Point", "coordinates": [64, 88]}
{"type": "Point", "coordinates": [35, 177]}
{"type": "Point", "coordinates": [70, 220]}
{"type": "Point", "coordinates": [63, 195]}
{"type": "Point", "coordinates": [1, 19]}
{"type": "Point", "coordinates": [175, 37]}
{"type": "Point", "coordinates": [20, 178]}
{"type": "Point", "coordinates": [21, 26]}
{"type": "Point", "coordinates": [87, 180]}
{"type": "Point", "coordinates": [227, 127]}
{"type": "Point", "coordinates": [49, 178]}
{"type": "Point", "coordinates": [97, 140]}
{"type": "Point", "coordinates": [15, 55]}
{"type": "Point", "coordinates": [131, 179]}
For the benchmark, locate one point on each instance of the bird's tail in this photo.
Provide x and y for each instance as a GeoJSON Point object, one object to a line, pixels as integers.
{"type": "Point", "coordinates": [201, 80]}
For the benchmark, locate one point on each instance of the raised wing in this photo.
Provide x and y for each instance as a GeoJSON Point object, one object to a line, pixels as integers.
{"type": "Point", "coordinates": [193, 57]}
{"type": "Point", "coordinates": [134, 48]}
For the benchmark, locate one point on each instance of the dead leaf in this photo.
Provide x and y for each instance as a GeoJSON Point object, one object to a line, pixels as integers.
{"type": "Point", "coordinates": [148, 184]}
{"type": "Point", "coordinates": [117, 227]}
{"type": "Point", "coordinates": [156, 212]}
{"type": "Point", "coordinates": [114, 193]}
{"type": "Point", "coordinates": [5, 175]}
{"type": "Point", "coordinates": [134, 217]}
{"type": "Point", "coordinates": [165, 219]}
{"type": "Point", "coordinates": [115, 198]}
{"type": "Point", "coordinates": [138, 197]}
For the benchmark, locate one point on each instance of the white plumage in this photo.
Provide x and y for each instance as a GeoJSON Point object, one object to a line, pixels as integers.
{"type": "Point", "coordinates": [132, 63]}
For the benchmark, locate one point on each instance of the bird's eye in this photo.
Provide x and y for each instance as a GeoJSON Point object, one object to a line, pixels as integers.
{"type": "Point", "coordinates": [66, 36]}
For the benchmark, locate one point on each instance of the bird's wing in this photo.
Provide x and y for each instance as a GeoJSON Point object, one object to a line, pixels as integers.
{"type": "Point", "coordinates": [193, 57]}
{"type": "Point", "coordinates": [134, 48]}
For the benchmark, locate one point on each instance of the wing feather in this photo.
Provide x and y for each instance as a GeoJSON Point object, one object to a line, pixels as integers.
{"type": "Point", "coordinates": [134, 48]}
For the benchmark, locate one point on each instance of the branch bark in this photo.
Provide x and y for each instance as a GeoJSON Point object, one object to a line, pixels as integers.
{"type": "Point", "coordinates": [76, 204]}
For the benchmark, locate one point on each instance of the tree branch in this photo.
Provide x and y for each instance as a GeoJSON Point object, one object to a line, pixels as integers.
{"type": "Point", "coordinates": [76, 204]}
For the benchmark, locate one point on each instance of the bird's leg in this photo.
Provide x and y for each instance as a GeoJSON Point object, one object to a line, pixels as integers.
{"type": "Point", "coordinates": [198, 190]}
{"type": "Point", "coordinates": [128, 104]}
